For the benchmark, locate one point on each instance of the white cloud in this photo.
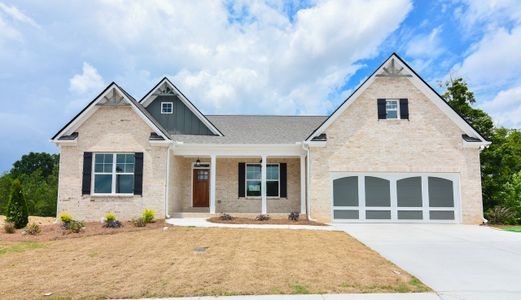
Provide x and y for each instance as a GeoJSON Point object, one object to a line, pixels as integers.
{"type": "Point", "coordinates": [17, 15]}
{"type": "Point", "coordinates": [259, 63]}
{"type": "Point", "coordinates": [87, 82]}
{"type": "Point", "coordinates": [506, 107]}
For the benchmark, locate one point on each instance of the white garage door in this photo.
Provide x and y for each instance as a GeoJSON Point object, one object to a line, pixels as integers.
{"type": "Point", "coordinates": [395, 197]}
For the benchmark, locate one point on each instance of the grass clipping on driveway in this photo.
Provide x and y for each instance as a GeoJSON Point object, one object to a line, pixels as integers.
{"type": "Point", "coordinates": [157, 263]}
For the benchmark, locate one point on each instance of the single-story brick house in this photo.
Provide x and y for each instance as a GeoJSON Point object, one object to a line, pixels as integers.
{"type": "Point", "coordinates": [393, 151]}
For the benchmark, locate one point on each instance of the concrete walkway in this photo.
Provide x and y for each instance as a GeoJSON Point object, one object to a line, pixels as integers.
{"type": "Point", "coordinates": [457, 261]}
{"type": "Point", "coordinates": [200, 222]}
{"type": "Point", "coordinates": [416, 296]}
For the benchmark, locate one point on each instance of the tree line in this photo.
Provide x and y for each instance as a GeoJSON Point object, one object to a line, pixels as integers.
{"type": "Point", "coordinates": [500, 166]}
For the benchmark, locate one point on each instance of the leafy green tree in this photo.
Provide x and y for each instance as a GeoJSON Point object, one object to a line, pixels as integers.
{"type": "Point", "coordinates": [5, 189]}
{"type": "Point", "coordinates": [459, 97]}
{"type": "Point", "coordinates": [512, 193]}
{"type": "Point", "coordinates": [33, 161]}
{"type": "Point", "coordinates": [41, 193]}
{"type": "Point", "coordinates": [17, 207]}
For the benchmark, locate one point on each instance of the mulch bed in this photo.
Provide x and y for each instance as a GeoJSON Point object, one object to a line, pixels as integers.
{"type": "Point", "coordinates": [53, 232]}
{"type": "Point", "coordinates": [276, 221]}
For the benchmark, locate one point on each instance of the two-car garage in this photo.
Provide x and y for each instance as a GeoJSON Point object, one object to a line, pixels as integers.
{"type": "Point", "coordinates": [395, 197]}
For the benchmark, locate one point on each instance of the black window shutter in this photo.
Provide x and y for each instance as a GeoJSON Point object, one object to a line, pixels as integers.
{"type": "Point", "coordinates": [283, 180]}
{"type": "Point", "coordinates": [404, 109]}
{"type": "Point", "coordinates": [242, 179]}
{"type": "Point", "coordinates": [381, 109]}
{"type": "Point", "coordinates": [87, 173]}
{"type": "Point", "coordinates": [138, 173]}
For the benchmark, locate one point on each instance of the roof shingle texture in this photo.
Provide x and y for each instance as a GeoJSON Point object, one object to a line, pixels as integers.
{"type": "Point", "coordinates": [256, 130]}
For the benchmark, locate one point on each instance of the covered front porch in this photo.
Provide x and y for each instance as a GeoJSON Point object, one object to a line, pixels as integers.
{"type": "Point", "coordinates": [237, 181]}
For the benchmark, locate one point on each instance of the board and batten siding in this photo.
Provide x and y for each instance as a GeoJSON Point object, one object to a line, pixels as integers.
{"type": "Point", "coordinates": [181, 121]}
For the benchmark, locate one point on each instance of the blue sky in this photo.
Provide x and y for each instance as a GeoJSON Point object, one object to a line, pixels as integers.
{"type": "Point", "coordinates": [251, 57]}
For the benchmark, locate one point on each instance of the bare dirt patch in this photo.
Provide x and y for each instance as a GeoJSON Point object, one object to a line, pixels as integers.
{"type": "Point", "coordinates": [51, 232]}
{"type": "Point", "coordinates": [32, 219]}
{"type": "Point", "coordinates": [279, 221]}
{"type": "Point", "coordinates": [163, 263]}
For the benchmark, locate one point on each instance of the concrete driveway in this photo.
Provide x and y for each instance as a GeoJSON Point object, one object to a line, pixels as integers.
{"type": "Point", "coordinates": [457, 261]}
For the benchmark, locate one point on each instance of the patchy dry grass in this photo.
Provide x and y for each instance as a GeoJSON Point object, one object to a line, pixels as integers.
{"type": "Point", "coordinates": [279, 221]}
{"type": "Point", "coordinates": [157, 263]}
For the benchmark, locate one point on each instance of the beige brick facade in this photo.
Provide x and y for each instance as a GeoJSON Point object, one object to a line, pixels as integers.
{"type": "Point", "coordinates": [428, 142]}
{"type": "Point", "coordinates": [226, 187]}
{"type": "Point", "coordinates": [112, 129]}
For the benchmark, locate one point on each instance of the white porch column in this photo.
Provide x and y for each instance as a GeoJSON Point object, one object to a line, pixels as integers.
{"type": "Point", "coordinates": [302, 184]}
{"type": "Point", "coordinates": [264, 205]}
{"type": "Point", "coordinates": [213, 162]}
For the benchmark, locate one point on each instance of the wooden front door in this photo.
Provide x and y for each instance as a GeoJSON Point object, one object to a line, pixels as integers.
{"type": "Point", "coordinates": [201, 188]}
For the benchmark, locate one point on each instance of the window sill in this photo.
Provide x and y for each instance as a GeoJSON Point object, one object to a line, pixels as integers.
{"type": "Point", "coordinates": [259, 198]}
{"type": "Point", "coordinates": [112, 195]}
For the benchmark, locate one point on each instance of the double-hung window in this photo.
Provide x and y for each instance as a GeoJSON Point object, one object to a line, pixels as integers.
{"type": "Point", "coordinates": [392, 109]}
{"type": "Point", "coordinates": [113, 173]}
{"type": "Point", "coordinates": [253, 180]}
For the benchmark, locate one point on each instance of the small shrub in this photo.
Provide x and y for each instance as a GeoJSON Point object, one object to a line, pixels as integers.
{"type": "Point", "coordinates": [9, 227]}
{"type": "Point", "coordinates": [293, 216]}
{"type": "Point", "coordinates": [226, 217]}
{"type": "Point", "coordinates": [65, 217]}
{"type": "Point", "coordinates": [111, 221]}
{"type": "Point", "coordinates": [32, 229]}
{"type": "Point", "coordinates": [75, 226]}
{"type": "Point", "coordinates": [501, 215]}
{"type": "Point", "coordinates": [16, 211]}
{"type": "Point", "coordinates": [110, 217]}
{"type": "Point", "coordinates": [262, 218]}
{"type": "Point", "coordinates": [139, 222]}
{"type": "Point", "coordinates": [148, 215]}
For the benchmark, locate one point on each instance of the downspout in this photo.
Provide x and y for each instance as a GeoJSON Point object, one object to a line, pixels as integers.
{"type": "Point", "coordinates": [58, 193]}
{"type": "Point", "coordinates": [305, 147]}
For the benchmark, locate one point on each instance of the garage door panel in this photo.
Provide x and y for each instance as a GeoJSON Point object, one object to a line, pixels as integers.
{"type": "Point", "coordinates": [345, 191]}
{"type": "Point", "coordinates": [378, 214]}
{"type": "Point", "coordinates": [346, 214]}
{"type": "Point", "coordinates": [440, 192]}
{"type": "Point", "coordinates": [395, 197]}
{"type": "Point", "coordinates": [441, 215]}
{"type": "Point", "coordinates": [409, 191]}
{"type": "Point", "coordinates": [410, 215]}
{"type": "Point", "coordinates": [377, 192]}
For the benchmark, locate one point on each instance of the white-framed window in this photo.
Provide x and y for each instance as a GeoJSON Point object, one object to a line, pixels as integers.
{"type": "Point", "coordinates": [253, 180]}
{"type": "Point", "coordinates": [392, 109]}
{"type": "Point", "coordinates": [113, 174]}
{"type": "Point", "coordinates": [167, 108]}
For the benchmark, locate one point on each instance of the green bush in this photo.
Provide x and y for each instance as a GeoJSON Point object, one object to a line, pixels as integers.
{"type": "Point", "coordinates": [148, 215]}
{"type": "Point", "coordinates": [17, 207]}
{"type": "Point", "coordinates": [9, 227]}
{"type": "Point", "coordinates": [32, 229]}
{"type": "Point", "coordinates": [75, 226]}
{"type": "Point", "coordinates": [139, 222]}
{"type": "Point", "coordinates": [65, 217]}
{"type": "Point", "coordinates": [501, 215]}
{"type": "Point", "coordinates": [110, 217]}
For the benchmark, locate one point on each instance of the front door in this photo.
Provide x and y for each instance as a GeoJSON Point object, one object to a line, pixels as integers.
{"type": "Point", "coordinates": [201, 188]}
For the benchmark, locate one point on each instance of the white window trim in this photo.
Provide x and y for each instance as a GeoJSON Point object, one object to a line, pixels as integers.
{"type": "Point", "coordinates": [113, 173]}
{"type": "Point", "coordinates": [246, 181]}
{"type": "Point", "coordinates": [397, 109]}
{"type": "Point", "coordinates": [167, 113]}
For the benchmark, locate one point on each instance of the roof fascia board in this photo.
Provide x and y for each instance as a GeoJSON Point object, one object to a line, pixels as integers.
{"type": "Point", "coordinates": [419, 83]}
{"type": "Point", "coordinates": [148, 98]}
{"type": "Point", "coordinates": [92, 107]}
{"type": "Point", "coordinates": [234, 151]}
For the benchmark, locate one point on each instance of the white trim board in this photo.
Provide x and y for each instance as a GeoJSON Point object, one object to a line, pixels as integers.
{"type": "Point", "coordinates": [151, 96]}
{"type": "Point", "coordinates": [91, 108]}
{"type": "Point", "coordinates": [418, 83]}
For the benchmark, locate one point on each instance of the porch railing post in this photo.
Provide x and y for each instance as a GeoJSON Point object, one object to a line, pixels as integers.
{"type": "Point", "coordinates": [264, 206]}
{"type": "Point", "coordinates": [213, 162]}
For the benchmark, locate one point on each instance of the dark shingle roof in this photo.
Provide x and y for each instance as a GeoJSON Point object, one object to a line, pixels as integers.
{"type": "Point", "coordinates": [244, 129]}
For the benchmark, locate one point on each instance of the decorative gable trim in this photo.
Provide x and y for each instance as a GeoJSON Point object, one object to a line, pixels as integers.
{"type": "Point", "coordinates": [394, 66]}
{"type": "Point", "coordinates": [166, 87]}
{"type": "Point", "coordinates": [112, 95]}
